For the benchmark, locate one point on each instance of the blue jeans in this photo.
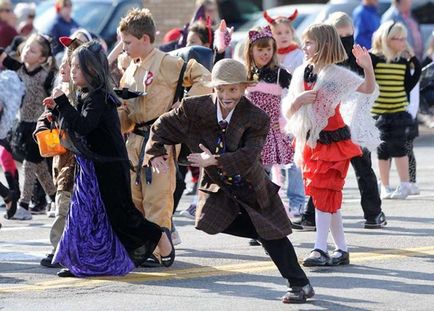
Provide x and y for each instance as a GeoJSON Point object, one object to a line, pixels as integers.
{"type": "Point", "coordinates": [295, 189]}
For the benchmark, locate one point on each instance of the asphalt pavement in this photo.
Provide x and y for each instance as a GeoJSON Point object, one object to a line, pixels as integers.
{"type": "Point", "coordinates": [391, 268]}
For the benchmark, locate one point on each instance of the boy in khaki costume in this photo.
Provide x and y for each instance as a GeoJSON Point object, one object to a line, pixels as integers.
{"type": "Point", "coordinates": [157, 74]}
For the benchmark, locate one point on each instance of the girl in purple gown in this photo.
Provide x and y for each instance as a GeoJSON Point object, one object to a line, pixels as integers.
{"type": "Point", "coordinates": [104, 234]}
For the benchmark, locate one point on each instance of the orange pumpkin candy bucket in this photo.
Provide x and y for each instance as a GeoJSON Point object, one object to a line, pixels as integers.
{"type": "Point", "coordinates": [49, 143]}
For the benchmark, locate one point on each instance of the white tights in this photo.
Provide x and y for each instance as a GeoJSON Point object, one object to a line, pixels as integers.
{"type": "Point", "coordinates": [324, 223]}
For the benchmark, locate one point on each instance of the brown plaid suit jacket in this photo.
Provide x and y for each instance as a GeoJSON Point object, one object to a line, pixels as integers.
{"type": "Point", "coordinates": [194, 123]}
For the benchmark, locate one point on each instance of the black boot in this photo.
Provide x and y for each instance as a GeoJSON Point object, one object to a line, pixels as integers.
{"type": "Point", "coordinates": [13, 196]}
{"type": "Point", "coordinates": [13, 183]}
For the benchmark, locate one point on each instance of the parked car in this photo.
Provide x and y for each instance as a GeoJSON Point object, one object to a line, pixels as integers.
{"type": "Point", "coordinates": [98, 16]}
{"type": "Point", "coordinates": [306, 16]}
{"type": "Point", "coordinates": [316, 13]}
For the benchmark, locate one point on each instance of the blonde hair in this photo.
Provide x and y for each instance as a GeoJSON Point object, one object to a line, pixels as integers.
{"type": "Point", "coordinates": [5, 4]}
{"type": "Point", "coordinates": [339, 19]}
{"type": "Point", "coordinates": [329, 46]}
{"type": "Point", "coordinates": [260, 43]}
{"type": "Point", "coordinates": [137, 23]}
{"type": "Point", "coordinates": [381, 38]}
{"type": "Point", "coordinates": [430, 49]}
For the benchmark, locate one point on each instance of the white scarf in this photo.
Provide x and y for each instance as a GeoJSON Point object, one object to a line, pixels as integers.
{"type": "Point", "coordinates": [11, 96]}
{"type": "Point", "coordinates": [334, 85]}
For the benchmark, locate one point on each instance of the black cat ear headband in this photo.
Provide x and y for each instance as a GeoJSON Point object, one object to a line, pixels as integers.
{"type": "Point", "coordinates": [391, 26]}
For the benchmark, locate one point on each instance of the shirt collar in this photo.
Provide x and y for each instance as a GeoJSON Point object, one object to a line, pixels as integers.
{"type": "Point", "coordinates": [220, 116]}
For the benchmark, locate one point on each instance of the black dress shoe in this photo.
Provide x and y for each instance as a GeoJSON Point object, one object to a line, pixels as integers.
{"type": "Point", "coordinates": [342, 258]}
{"type": "Point", "coordinates": [312, 260]}
{"type": "Point", "coordinates": [47, 262]}
{"type": "Point", "coordinates": [65, 273]}
{"type": "Point", "coordinates": [377, 223]}
{"type": "Point", "coordinates": [297, 294]}
{"type": "Point", "coordinates": [304, 224]}
{"type": "Point", "coordinates": [254, 242]}
{"type": "Point", "coordinates": [167, 261]}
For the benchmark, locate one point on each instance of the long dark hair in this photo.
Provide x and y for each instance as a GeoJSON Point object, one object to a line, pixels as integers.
{"type": "Point", "coordinates": [94, 66]}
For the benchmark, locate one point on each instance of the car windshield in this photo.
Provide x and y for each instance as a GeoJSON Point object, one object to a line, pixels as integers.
{"type": "Point", "coordinates": [87, 14]}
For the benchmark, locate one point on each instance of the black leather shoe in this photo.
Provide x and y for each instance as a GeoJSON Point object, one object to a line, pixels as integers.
{"type": "Point", "coordinates": [304, 224]}
{"type": "Point", "coordinates": [65, 273]}
{"type": "Point", "coordinates": [342, 259]}
{"type": "Point", "coordinates": [254, 242]}
{"type": "Point", "coordinates": [377, 223]}
{"type": "Point", "coordinates": [167, 261]}
{"type": "Point", "coordinates": [298, 294]}
{"type": "Point", "coordinates": [46, 262]}
{"type": "Point", "coordinates": [312, 260]}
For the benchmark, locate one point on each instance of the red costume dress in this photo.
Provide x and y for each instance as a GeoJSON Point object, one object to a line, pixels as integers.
{"type": "Point", "coordinates": [326, 165]}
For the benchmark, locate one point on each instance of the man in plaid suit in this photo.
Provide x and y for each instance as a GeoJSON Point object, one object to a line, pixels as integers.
{"type": "Point", "coordinates": [236, 196]}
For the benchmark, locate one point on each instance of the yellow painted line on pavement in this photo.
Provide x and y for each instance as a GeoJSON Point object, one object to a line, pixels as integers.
{"type": "Point", "coordinates": [192, 273]}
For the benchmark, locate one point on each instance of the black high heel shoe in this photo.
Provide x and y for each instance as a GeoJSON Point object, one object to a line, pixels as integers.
{"type": "Point", "coordinates": [167, 261]}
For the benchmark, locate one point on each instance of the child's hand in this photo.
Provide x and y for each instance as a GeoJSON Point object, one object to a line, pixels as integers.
{"type": "Point", "coordinates": [362, 56]}
{"type": "Point", "coordinates": [223, 37]}
{"type": "Point", "coordinates": [49, 117]}
{"type": "Point", "coordinates": [307, 97]}
{"type": "Point", "coordinates": [57, 92]}
{"type": "Point", "coordinates": [49, 102]}
{"type": "Point", "coordinates": [159, 164]}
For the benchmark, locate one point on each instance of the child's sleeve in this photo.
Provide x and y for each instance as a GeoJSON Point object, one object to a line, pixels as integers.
{"type": "Point", "coordinates": [11, 63]}
{"type": "Point", "coordinates": [412, 79]}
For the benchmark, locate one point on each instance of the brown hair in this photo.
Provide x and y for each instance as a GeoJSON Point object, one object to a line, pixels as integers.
{"type": "Point", "coordinates": [45, 44]}
{"type": "Point", "coordinates": [329, 46]}
{"type": "Point", "coordinates": [201, 30]}
{"type": "Point", "coordinates": [137, 23]}
{"type": "Point", "coordinates": [260, 43]}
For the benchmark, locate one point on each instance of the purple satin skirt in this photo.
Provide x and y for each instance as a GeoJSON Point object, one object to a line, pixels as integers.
{"type": "Point", "coordinates": [89, 246]}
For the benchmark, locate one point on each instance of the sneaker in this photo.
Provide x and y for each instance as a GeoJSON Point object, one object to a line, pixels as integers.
{"type": "Point", "coordinates": [377, 223]}
{"type": "Point", "coordinates": [401, 192]}
{"type": "Point", "coordinates": [176, 239]}
{"type": "Point", "coordinates": [51, 212]}
{"type": "Point", "coordinates": [47, 262]}
{"type": "Point", "coordinates": [414, 189]}
{"type": "Point", "coordinates": [39, 209]}
{"type": "Point", "coordinates": [304, 225]}
{"type": "Point", "coordinates": [296, 211]}
{"type": "Point", "coordinates": [190, 212]}
{"type": "Point", "coordinates": [297, 294]}
{"type": "Point", "coordinates": [385, 192]}
{"type": "Point", "coordinates": [193, 190]}
{"type": "Point", "coordinates": [22, 214]}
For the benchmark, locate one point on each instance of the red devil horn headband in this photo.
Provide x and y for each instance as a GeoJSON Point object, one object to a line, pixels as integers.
{"type": "Point", "coordinates": [271, 20]}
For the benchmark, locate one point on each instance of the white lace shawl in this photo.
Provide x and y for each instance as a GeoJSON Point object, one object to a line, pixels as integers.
{"type": "Point", "coordinates": [334, 85]}
{"type": "Point", "coordinates": [356, 112]}
{"type": "Point", "coordinates": [11, 95]}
